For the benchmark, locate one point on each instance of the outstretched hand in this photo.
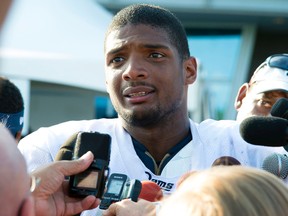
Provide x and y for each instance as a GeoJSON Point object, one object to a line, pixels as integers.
{"type": "Point", "coordinates": [127, 207]}
{"type": "Point", "coordinates": [51, 195]}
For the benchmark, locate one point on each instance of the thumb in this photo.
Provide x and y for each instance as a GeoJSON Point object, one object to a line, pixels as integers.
{"type": "Point", "coordinates": [76, 166]}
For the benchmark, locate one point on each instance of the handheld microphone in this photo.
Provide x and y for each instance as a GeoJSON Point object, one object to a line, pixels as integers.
{"type": "Point", "coordinates": [92, 180]}
{"type": "Point", "coordinates": [120, 187]}
{"type": "Point", "coordinates": [280, 108]}
{"type": "Point", "coordinates": [150, 191]}
{"type": "Point", "coordinates": [226, 161]}
{"type": "Point", "coordinates": [265, 131]}
{"type": "Point", "coordinates": [276, 164]}
{"type": "Point", "coordinates": [66, 150]}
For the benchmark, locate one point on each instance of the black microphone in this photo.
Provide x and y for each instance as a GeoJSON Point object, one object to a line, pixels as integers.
{"type": "Point", "coordinates": [265, 131]}
{"type": "Point", "coordinates": [66, 150]}
{"type": "Point", "coordinates": [280, 108]}
{"type": "Point", "coordinates": [226, 161]}
{"type": "Point", "coordinates": [276, 164]}
{"type": "Point", "coordinates": [92, 180]}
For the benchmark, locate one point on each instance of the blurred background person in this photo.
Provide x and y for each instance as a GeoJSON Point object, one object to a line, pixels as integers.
{"type": "Point", "coordinates": [268, 84]}
{"type": "Point", "coordinates": [11, 101]}
{"type": "Point", "coordinates": [15, 197]}
{"type": "Point", "coordinates": [38, 193]}
{"type": "Point", "coordinates": [11, 107]}
{"type": "Point", "coordinates": [228, 190]}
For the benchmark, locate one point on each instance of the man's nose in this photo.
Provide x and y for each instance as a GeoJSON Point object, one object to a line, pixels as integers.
{"type": "Point", "coordinates": [135, 69]}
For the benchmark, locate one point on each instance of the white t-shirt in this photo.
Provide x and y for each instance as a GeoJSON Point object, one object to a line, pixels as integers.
{"type": "Point", "coordinates": [211, 140]}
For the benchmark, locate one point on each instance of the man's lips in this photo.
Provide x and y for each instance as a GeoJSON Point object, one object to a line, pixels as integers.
{"type": "Point", "coordinates": [138, 94]}
{"type": "Point", "coordinates": [137, 91]}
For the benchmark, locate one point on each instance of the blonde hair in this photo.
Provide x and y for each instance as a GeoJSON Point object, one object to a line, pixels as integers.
{"type": "Point", "coordinates": [228, 190]}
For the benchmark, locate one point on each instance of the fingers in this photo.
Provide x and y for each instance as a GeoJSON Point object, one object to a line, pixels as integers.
{"type": "Point", "coordinates": [75, 207]}
{"type": "Point", "coordinates": [127, 207]}
{"type": "Point", "coordinates": [111, 211]}
{"type": "Point", "coordinates": [75, 166]}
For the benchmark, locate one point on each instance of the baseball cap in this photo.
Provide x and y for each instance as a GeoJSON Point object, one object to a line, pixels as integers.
{"type": "Point", "coordinates": [271, 75]}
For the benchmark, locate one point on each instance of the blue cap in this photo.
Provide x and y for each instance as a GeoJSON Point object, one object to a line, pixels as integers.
{"type": "Point", "coordinates": [13, 121]}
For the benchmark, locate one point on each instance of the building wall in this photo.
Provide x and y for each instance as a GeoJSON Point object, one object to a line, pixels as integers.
{"type": "Point", "coordinates": [52, 104]}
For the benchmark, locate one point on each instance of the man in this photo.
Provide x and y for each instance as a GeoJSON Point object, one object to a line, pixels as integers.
{"type": "Point", "coordinates": [148, 71]}
{"type": "Point", "coordinates": [49, 196]}
{"type": "Point", "coordinates": [268, 83]}
{"type": "Point", "coordinates": [11, 107]}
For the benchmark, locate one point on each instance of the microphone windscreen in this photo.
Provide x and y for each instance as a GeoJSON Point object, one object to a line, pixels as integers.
{"type": "Point", "coordinates": [265, 131]}
{"type": "Point", "coordinates": [226, 161]}
{"type": "Point", "coordinates": [98, 143]}
{"type": "Point", "coordinates": [280, 108]}
{"type": "Point", "coordinates": [150, 191]}
{"type": "Point", "coordinates": [66, 150]}
{"type": "Point", "coordinates": [276, 164]}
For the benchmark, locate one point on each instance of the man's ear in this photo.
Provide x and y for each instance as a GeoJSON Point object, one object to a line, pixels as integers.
{"type": "Point", "coordinates": [191, 70]}
{"type": "Point", "coordinates": [28, 207]}
{"type": "Point", "coordinates": [242, 92]}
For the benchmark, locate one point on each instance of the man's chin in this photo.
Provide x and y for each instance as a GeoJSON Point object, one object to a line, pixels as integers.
{"type": "Point", "coordinates": [141, 119]}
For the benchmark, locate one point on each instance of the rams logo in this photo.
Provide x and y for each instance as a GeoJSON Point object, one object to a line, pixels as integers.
{"type": "Point", "coordinates": [164, 185]}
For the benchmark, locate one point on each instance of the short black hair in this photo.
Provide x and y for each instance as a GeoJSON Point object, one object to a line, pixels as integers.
{"type": "Point", "coordinates": [11, 100]}
{"type": "Point", "coordinates": [154, 16]}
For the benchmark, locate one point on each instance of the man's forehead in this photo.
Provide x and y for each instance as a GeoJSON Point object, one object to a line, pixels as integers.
{"type": "Point", "coordinates": [135, 34]}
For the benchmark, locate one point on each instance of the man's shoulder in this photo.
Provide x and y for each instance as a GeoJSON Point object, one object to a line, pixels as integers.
{"type": "Point", "coordinates": [60, 132]}
{"type": "Point", "coordinates": [221, 130]}
{"type": "Point", "coordinates": [80, 125]}
{"type": "Point", "coordinates": [218, 125]}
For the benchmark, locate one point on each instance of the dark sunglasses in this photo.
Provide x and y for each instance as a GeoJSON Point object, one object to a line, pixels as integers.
{"type": "Point", "coordinates": [278, 61]}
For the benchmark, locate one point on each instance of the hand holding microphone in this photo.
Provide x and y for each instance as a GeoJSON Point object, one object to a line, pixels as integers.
{"type": "Point", "coordinates": [91, 181]}
{"type": "Point", "coordinates": [120, 187]}
{"type": "Point", "coordinates": [148, 201]}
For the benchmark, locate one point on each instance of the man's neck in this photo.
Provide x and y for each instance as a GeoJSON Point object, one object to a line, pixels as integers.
{"type": "Point", "coordinates": [159, 140]}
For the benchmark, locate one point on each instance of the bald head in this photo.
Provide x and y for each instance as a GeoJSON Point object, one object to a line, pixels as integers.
{"type": "Point", "coordinates": [14, 181]}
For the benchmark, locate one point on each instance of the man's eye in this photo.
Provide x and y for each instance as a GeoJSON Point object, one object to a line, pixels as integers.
{"type": "Point", "coordinates": [156, 55]}
{"type": "Point", "coordinates": [265, 103]}
{"type": "Point", "coordinates": [117, 60]}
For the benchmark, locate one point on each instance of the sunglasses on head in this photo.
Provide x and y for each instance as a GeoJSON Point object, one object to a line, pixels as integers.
{"type": "Point", "coordinates": [278, 61]}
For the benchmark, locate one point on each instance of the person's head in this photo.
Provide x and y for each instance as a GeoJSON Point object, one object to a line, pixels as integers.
{"type": "Point", "coordinates": [15, 196]}
{"type": "Point", "coordinates": [268, 84]}
{"type": "Point", "coordinates": [228, 190]}
{"type": "Point", "coordinates": [148, 64]}
{"type": "Point", "coordinates": [11, 107]}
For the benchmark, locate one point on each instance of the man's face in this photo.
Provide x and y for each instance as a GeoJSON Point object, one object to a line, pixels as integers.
{"type": "Point", "coordinates": [259, 104]}
{"type": "Point", "coordinates": [145, 76]}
